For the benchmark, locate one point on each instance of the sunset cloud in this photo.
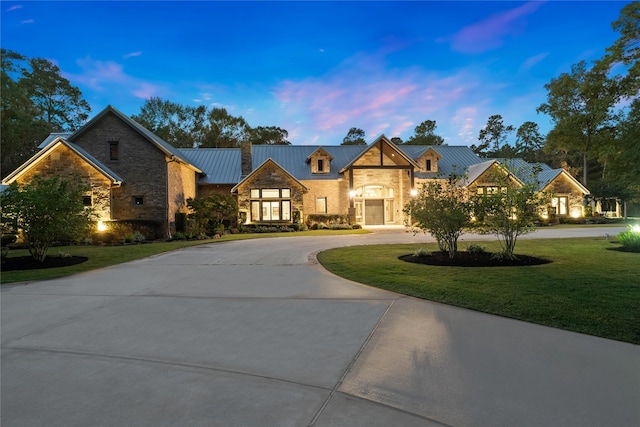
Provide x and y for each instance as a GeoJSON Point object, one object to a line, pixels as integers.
{"type": "Point", "coordinates": [490, 33]}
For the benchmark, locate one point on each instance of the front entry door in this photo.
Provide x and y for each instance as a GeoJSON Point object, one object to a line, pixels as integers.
{"type": "Point", "coordinates": [374, 212]}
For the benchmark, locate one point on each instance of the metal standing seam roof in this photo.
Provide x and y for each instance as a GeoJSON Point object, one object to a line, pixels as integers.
{"type": "Point", "coordinates": [293, 158]}
{"type": "Point", "coordinates": [52, 136]}
{"type": "Point", "coordinates": [223, 165]}
{"type": "Point", "coordinates": [219, 165]}
{"type": "Point", "coordinates": [454, 159]}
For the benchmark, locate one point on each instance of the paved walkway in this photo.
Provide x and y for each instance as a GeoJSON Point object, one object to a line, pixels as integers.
{"type": "Point", "coordinates": [256, 333]}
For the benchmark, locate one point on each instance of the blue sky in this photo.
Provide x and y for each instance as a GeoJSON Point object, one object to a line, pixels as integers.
{"type": "Point", "coordinates": [317, 69]}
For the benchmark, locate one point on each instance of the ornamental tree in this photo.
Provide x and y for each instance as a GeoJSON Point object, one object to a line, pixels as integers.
{"type": "Point", "coordinates": [508, 212]}
{"type": "Point", "coordinates": [442, 209]}
{"type": "Point", "coordinates": [47, 211]}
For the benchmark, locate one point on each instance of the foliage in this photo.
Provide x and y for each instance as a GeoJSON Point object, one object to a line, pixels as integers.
{"type": "Point", "coordinates": [421, 252]}
{"type": "Point", "coordinates": [626, 49]}
{"type": "Point", "coordinates": [442, 209]}
{"type": "Point", "coordinates": [193, 127]}
{"type": "Point", "coordinates": [47, 211]}
{"type": "Point", "coordinates": [529, 142]}
{"type": "Point", "coordinates": [355, 136]}
{"type": "Point", "coordinates": [581, 105]}
{"type": "Point", "coordinates": [209, 212]}
{"type": "Point", "coordinates": [475, 248]}
{"type": "Point", "coordinates": [509, 212]}
{"type": "Point", "coordinates": [630, 239]}
{"type": "Point", "coordinates": [269, 135]}
{"type": "Point", "coordinates": [225, 130]}
{"type": "Point", "coordinates": [179, 125]}
{"type": "Point", "coordinates": [36, 100]}
{"type": "Point", "coordinates": [425, 134]}
{"type": "Point", "coordinates": [119, 230]}
{"type": "Point", "coordinates": [493, 138]}
{"type": "Point", "coordinates": [313, 219]}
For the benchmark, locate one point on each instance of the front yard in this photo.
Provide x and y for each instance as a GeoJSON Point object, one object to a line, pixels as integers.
{"type": "Point", "coordinates": [587, 287]}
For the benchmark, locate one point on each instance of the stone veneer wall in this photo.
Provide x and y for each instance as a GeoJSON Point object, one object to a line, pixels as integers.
{"type": "Point", "coordinates": [64, 162]}
{"type": "Point", "coordinates": [182, 186]}
{"type": "Point", "coordinates": [142, 166]}
{"type": "Point", "coordinates": [270, 176]}
{"type": "Point", "coordinates": [336, 192]}
{"type": "Point", "coordinates": [562, 187]}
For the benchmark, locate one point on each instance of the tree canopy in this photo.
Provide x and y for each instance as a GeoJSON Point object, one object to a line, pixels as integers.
{"type": "Point", "coordinates": [355, 136]}
{"type": "Point", "coordinates": [424, 134]}
{"type": "Point", "coordinates": [36, 100]}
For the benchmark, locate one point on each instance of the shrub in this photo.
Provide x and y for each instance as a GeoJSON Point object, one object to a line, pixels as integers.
{"type": "Point", "coordinates": [179, 236]}
{"type": "Point", "coordinates": [138, 237]}
{"type": "Point", "coordinates": [630, 240]}
{"type": "Point", "coordinates": [476, 249]}
{"type": "Point", "coordinates": [325, 220]}
{"type": "Point", "coordinates": [422, 252]}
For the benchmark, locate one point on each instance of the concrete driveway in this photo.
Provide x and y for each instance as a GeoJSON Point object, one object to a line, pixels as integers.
{"type": "Point", "coordinates": [256, 333]}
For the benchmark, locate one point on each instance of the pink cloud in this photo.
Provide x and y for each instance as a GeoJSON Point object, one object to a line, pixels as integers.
{"type": "Point", "coordinates": [16, 7]}
{"type": "Point", "coordinates": [361, 93]}
{"type": "Point", "coordinates": [27, 21]}
{"type": "Point", "coordinates": [489, 33]}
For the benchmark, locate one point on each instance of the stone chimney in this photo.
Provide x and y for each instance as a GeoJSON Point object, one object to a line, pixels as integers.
{"type": "Point", "coordinates": [245, 158]}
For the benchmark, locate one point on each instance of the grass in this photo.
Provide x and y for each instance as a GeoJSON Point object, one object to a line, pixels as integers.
{"type": "Point", "coordinates": [586, 288]}
{"type": "Point", "coordinates": [104, 256]}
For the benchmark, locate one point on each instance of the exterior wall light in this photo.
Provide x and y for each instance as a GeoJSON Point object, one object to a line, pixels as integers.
{"type": "Point", "coordinates": [414, 192]}
{"type": "Point", "coordinates": [102, 226]}
{"type": "Point", "coordinates": [352, 194]}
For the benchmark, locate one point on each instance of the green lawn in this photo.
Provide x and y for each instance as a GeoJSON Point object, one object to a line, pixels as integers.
{"type": "Point", "coordinates": [104, 256]}
{"type": "Point", "coordinates": [586, 288]}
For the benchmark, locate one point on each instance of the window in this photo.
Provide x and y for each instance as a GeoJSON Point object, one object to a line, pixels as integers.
{"type": "Point", "coordinates": [560, 204]}
{"type": "Point", "coordinates": [113, 150]}
{"type": "Point", "coordinates": [270, 204]}
{"type": "Point", "coordinates": [486, 190]}
{"type": "Point", "coordinates": [138, 200]}
{"type": "Point", "coordinates": [321, 205]}
{"type": "Point", "coordinates": [86, 200]}
{"type": "Point", "coordinates": [320, 165]}
{"type": "Point", "coordinates": [428, 164]}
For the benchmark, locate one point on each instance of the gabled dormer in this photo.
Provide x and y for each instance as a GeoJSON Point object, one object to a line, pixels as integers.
{"type": "Point", "coordinates": [320, 161]}
{"type": "Point", "coordinates": [428, 161]}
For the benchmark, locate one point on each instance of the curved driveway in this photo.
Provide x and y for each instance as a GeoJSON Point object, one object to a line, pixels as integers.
{"type": "Point", "coordinates": [256, 333]}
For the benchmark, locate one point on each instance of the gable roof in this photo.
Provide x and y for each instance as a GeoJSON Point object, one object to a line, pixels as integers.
{"type": "Point", "coordinates": [168, 149]}
{"type": "Point", "coordinates": [382, 140]}
{"type": "Point", "coordinates": [547, 177]}
{"type": "Point", "coordinates": [52, 145]}
{"type": "Point", "coordinates": [319, 150]}
{"type": "Point", "coordinates": [474, 172]}
{"type": "Point", "coordinates": [264, 164]}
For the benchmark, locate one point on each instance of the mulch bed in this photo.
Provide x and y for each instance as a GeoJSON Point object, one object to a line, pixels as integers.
{"type": "Point", "coordinates": [29, 263]}
{"type": "Point", "coordinates": [466, 259]}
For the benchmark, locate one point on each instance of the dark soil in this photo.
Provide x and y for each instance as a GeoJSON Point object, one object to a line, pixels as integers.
{"type": "Point", "coordinates": [29, 263]}
{"type": "Point", "coordinates": [466, 259]}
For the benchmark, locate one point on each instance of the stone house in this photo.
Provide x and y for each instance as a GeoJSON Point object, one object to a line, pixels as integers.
{"type": "Point", "coordinates": [136, 176]}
